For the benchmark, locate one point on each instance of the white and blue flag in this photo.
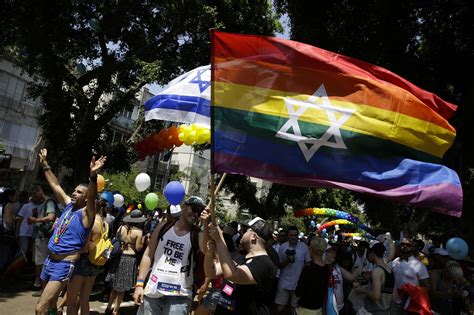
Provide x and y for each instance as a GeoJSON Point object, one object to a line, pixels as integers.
{"type": "Point", "coordinates": [187, 99]}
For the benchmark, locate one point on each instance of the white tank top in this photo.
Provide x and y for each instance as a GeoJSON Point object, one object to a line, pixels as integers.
{"type": "Point", "coordinates": [169, 275]}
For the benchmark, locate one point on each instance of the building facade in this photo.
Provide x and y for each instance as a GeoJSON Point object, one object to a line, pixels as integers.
{"type": "Point", "coordinates": [19, 127]}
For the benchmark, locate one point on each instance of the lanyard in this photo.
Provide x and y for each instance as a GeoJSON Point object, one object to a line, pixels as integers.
{"type": "Point", "coordinates": [63, 226]}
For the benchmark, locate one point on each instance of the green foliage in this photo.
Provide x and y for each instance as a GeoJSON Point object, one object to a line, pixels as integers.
{"type": "Point", "coordinates": [124, 182]}
{"type": "Point", "coordinates": [274, 203]}
{"type": "Point", "coordinates": [290, 220]}
{"type": "Point", "coordinates": [90, 58]}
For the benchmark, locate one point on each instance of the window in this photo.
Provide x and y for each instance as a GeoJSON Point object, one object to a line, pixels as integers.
{"type": "Point", "coordinates": [21, 134]}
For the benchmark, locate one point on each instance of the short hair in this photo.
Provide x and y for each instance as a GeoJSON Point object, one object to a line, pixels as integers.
{"type": "Point", "coordinates": [293, 228]}
{"type": "Point", "coordinates": [454, 269]}
{"type": "Point", "coordinates": [37, 188]}
{"type": "Point", "coordinates": [378, 249]}
{"type": "Point", "coordinates": [420, 243]}
{"type": "Point", "coordinates": [84, 185]}
{"type": "Point", "coordinates": [318, 245]}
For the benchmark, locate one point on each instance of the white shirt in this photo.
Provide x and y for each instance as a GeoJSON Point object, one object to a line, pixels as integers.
{"type": "Point", "coordinates": [407, 272]}
{"type": "Point", "coordinates": [291, 273]}
{"type": "Point", "coordinates": [169, 275]}
{"type": "Point", "coordinates": [25, 212]}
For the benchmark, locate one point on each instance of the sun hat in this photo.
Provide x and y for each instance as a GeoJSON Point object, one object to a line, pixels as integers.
{"type": "Point", "coordinates": [135, 216]}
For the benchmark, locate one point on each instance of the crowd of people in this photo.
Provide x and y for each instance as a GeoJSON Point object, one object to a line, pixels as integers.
{"type": "Point", "coordinates": [167, 261]}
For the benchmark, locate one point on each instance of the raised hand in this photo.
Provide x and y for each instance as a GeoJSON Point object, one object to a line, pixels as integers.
{"type": "Point", "coordinates": [97, 164]}
{"type": "Point", "coordinates": [215, 232]}
{"type": "Point", "coordinates": [42, 157]}
{"type": "Point", "coordinates": [205, 216]}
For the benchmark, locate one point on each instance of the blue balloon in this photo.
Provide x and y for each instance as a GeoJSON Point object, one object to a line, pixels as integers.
{"type": "Point", "coordinates": [457, 248]}
{"type": "Point", "coordinates": [109, 197]}
{"type": "Point", "coordinates": [174, 192]}
{"type": "Point", "coordinates": [312, 223]}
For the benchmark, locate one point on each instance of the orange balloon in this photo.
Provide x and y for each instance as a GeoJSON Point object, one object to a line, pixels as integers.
{"type": "Point", "coordinates": [100, 183]}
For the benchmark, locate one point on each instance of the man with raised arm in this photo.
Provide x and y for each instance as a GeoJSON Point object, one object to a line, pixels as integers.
{"type": "Point", "coordinates": [248, 285]}
{"type": "Point", "coordinates": [71, 232]}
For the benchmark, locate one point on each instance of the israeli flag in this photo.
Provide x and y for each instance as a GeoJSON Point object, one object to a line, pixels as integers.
{"type": "Point", "coordinates": [187, 99]}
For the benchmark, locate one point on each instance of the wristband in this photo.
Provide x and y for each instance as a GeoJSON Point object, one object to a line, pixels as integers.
{"type": "Point", "coordinates": [46, 168]}
{"type": "Point", "coordinates": [93, 179]}
{"type": "Point", "coordinates": [139, 283]}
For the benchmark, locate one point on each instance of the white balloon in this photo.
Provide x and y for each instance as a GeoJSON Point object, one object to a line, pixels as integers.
{"type": "Point", "coordinates": [142, 181]}
{"type": "Point", "coordinates": [118, 200]}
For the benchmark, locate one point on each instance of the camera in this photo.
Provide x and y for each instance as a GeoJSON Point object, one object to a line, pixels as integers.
{"type": "Point", "coordinates": [290, 253]}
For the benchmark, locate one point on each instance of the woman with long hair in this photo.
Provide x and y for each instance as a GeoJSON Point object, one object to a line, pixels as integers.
{"type": "Point", "coordinates": [123, 273]}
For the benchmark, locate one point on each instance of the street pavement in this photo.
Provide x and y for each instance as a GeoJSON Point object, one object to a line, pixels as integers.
{"type": "Point", "coordinates": [16, 296]}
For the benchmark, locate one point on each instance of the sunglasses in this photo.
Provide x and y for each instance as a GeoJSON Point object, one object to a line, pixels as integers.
{"type": "Point", "coordinates": [196, 209]}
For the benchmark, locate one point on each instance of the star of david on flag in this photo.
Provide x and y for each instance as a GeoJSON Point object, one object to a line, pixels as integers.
{"type": "Point", "coordinates": [187, 99]}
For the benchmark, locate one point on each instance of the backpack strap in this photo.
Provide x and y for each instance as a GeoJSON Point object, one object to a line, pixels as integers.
{"type": "Point", "coordinates": [194, 247]}
{"type": "Point", "coordinates": [165, 228]}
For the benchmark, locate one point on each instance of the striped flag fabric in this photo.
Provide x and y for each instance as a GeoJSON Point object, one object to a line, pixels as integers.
{"type": "Point", "coordinates": [186, 99]}
{"type": "Point", "coordinates": [299, 115]}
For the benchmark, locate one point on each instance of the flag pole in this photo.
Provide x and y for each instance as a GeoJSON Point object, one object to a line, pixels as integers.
{"type": "Point", "coordinates": [212, 204]}
{"type": "Point", "coordinates": [214, 191]}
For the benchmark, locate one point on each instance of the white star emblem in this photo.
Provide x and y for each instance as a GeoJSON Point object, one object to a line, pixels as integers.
{"type": "Point", "coordinates": [319, 100]}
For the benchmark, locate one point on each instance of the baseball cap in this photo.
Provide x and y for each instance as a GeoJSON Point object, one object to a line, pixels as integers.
{"type": "Point", "coordinates": [259, 226]}
{"type": "Point", "coordinates": [195, 201]}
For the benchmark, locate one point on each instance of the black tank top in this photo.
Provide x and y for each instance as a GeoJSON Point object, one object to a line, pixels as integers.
{"type": "Point", "coordinates": [389, 282]}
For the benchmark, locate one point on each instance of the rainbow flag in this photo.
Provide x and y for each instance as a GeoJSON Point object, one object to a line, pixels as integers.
{"type": "Point", "coordinates": [299, 115]}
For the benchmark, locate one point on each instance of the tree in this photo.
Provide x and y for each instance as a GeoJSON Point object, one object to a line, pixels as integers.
{"type": "Point", "coordinates": [427, 42]}
{"type": "Point", "coordinates": [275, 203]}
{"type": "Point", "coordinates": [90, 58]}
{"type": "Point", "coordinates": [123, 183]}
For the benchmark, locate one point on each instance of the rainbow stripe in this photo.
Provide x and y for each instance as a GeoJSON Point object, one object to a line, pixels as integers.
{"type": "Point", "coordinates": [295, 114]}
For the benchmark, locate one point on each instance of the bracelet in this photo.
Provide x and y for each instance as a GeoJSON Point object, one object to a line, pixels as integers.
{"type": "Point", "coordinates": [93, 179]}
{"type": "Point", "coordinates": [46, 168]}
{"type": "Point", "coordinates": [139, 283]}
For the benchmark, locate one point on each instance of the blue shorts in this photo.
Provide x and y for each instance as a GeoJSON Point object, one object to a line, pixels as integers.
{"type": "Point", "coordinates": [57, 270]}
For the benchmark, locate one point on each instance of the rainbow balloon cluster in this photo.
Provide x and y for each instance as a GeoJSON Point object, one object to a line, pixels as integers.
{"type": "Point", "coordinates": [327, 212]}
{"type": "Point", "coordinates": [165, 139]}
{"type": "Point", "coordinates": [351, 234]}
{"type": "Point", "coordinates": [334, 222]}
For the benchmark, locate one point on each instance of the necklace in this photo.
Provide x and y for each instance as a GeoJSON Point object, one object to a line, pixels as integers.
{"type": "Point", "coordinates": [63, 226]}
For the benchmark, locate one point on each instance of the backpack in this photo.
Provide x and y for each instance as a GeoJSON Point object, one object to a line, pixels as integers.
{"type": "Point", "coordinates": [194, 240]}
{"type": "Point", "coordinates": [46, 229]}
{"type": "Point", "coordinates": [101, 252]}
{"type": "Point", "coordinates": [116, 249]}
